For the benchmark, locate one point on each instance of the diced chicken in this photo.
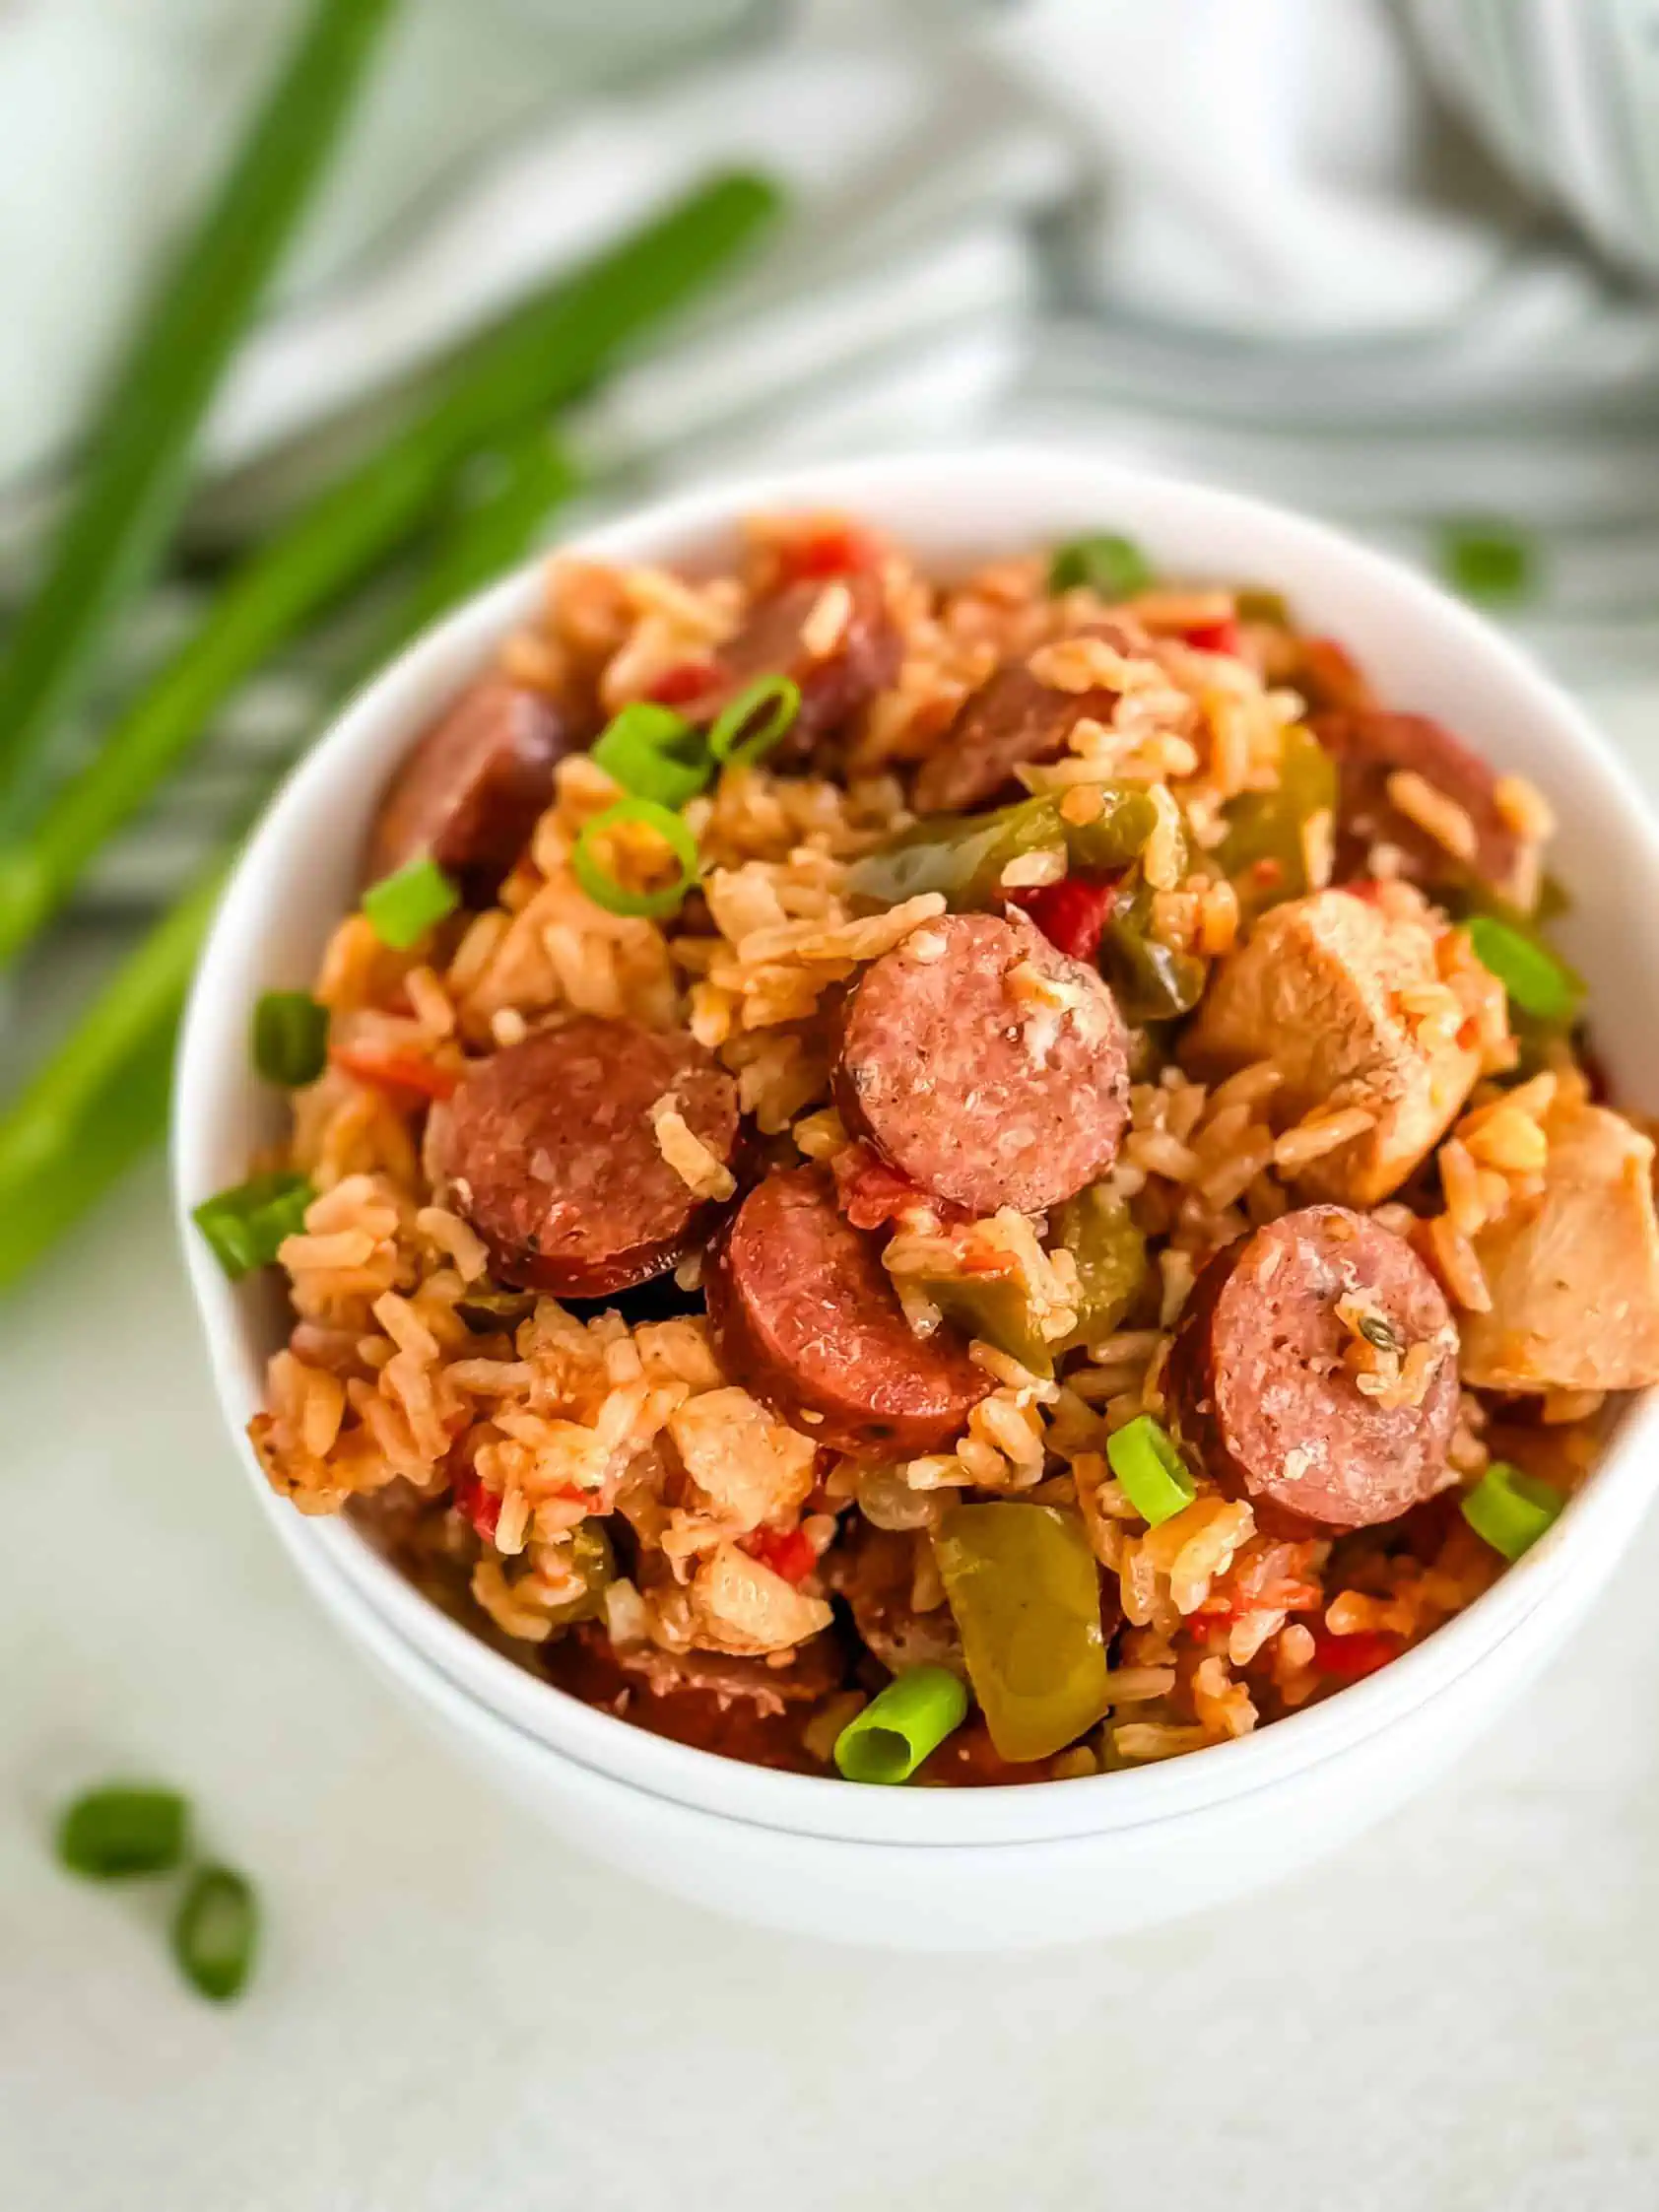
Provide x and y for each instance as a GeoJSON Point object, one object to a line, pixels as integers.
{"type": "Point", "coordinates": [1573, 1272]}
{"type": "Point", "coordinates": [746, 1469]}
{"type": "Point", "coordinates": [740, 1606]}
{"type": "Point", "coordinates": [1348, 1003]}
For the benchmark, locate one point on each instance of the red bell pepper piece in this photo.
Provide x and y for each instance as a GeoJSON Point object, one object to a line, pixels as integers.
{"type": "Point", "coordinates": [1071, 913]}
{"type": "Point", "coordinates": [1350, 1657]}
{"type": "Point", "coordinates": [395, 1071]}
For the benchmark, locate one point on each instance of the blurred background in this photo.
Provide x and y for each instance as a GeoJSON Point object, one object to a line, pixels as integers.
{"type": "Point", "coordinates": [317, 312]}
{"type": "Point", "coordinates": [1383, 262]}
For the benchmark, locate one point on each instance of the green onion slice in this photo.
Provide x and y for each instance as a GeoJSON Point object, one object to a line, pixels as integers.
{"type": "Point", "coordinates": [1510, 1510]}
{"type": "Point", "coordinates": [402, 907]}
{"type": "Point", "coordinates": [889, 1740]}
{"type": "Point", "coordinates": [1488, 561]}
{"type": "Point", "coordinates": [761, 714]}
{"type": "Point", "coordinates": [290, 1038]}
{"type": "Point", "coordinates": [1112, 565]}
{"type": "Point", "coordinates": [246, 1225]}
{"type": "Point", "coordinates": [620, 898]}
{"type": "Point", "coordinates": [215, 1932]}
{"type": "Point", "coordinates": [1538, 984]}
{"type": "Point", "coordinates": [655, 753]}
{"type": "Point", "coordinates": [1152, 1472]}
{"type": "Point", "coordinates": [123, 1830]}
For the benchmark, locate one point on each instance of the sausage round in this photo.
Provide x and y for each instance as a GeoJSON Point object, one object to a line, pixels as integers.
{"type": "Point", "coordinates": [739, 1708]}
{"type": "Point", "coordinates": [986, 1066]}
{"type": "Point", "coordinates": [549, 1150]}
{"type": "Point", "coordinates": [1011, 721]}
{"type": "Point", "coordinates": [470, 791]}
{"type": "Point", "coordinates": [838, 679]}
{"type": "Point", "coordinates": [805, 1315]}
{"type": "Point", "coordinates": [1267, 1397]}
{"type": "Point", "coordinates": [1368, 746]}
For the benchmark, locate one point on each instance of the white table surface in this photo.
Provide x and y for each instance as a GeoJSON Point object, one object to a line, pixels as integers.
{"type": "Point", "coordinates": [1459, 2014]}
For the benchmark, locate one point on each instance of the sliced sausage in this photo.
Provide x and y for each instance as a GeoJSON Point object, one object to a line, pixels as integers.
{"type": "Point", "coordinates": [1267, 1397]}
{"type": "Point", "coordinates": [874, 1569]}
{"type": "Point", "coordinates": [550, 1151]}
{"type": "Point", "coordinates": [738, 1709]}
{"type": "Point", "coordinates": [1011, 720]}
{"type": "Point", "coordinates": [985, 1065]}
{"type": "Point", "coordinates": [1369, 745]}
{"type": "Point", "coordinates": [840, 665]}
{"type": "Point", "coordinates": [470, 791]}
{"type": "Point", "coordinates": [805, 1315]}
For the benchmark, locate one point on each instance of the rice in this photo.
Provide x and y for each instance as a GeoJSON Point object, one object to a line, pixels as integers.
{"type": "Point", "coordinates": [493, 1450]}
{"type": "Point", "coordinates": [1447, 823]}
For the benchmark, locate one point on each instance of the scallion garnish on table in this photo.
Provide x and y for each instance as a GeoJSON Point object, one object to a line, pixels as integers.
{"type": "Point", "coordinates": [541, 356]}
{"type": "Point", "coordinates": [215, 1932]}
{"type": "Point", "coordinates": [129, 1831]}
{"type": "Point", "coordinates": [138, 469]}
{"type": "Point", "coordinates": [123, 1829]}
{"type": "Point", "coordinates": [1492, 562]}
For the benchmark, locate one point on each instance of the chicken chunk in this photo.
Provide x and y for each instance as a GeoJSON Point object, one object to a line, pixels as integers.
{"type": "Point", "coordinates": [1349, 1004]}
{"type": "Point", "coordinates": [746, 1469]}
{"type": "Point", "coordinates": [739, 1605]}
{"type": "Point", "coordinates": [1573, 1272]}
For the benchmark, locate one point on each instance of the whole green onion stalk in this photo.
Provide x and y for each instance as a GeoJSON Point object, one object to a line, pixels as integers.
{"type": "Point", "coordinates": [138, 459]}
{"type": "Point", "coordinates": [539, 356]}
{"type": "Point", "coordinates": [100, 1101]}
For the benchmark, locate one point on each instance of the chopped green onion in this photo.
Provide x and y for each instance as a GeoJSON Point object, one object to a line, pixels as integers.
{"type": "Point", "coordinates": [402, 907]}
{"type": "Point", "coordinates": [137, 469]}
{"type": "Point", "coordinates": [1510, 1510]}
{"type": "Point", "coordinates": [655, 754]}
{"type": "Point", "coordinates": [889, 1740]}
{"type": "Point", "coordinates": [1487, 560]}
{"type": "Point", "coordinates": [749, 726]}
{"type": "Point", "coordinates": [1538, 984]}
{"type": "Point", "coordinates": [123, 1830]}
{"type": "Point", "coordinates": [290, 1038]}
{"type": "Point", "coordinates": [539, 356]}
{"type": "Point", "coordinates": [1152, 1472]}
{"type": "Point", "coordinates": [620, 898]}
{"type": "Point", "coordinates": [246, 1225]}
{"type": "Point", "coordinates": [215, 1932]}
{"type": "Point", "coordinates": [1112, 565]}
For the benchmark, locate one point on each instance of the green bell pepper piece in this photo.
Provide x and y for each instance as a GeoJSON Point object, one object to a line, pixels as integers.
{"type": "Point", "coordinates": [963, 855]}
{"type": "Point", "coordinates": [1025, 1589]}
{"type": "Point", "coordinates": [1151, 981]}
{"type": "Point", "coordinates": [1268, 824]}
{"type": "Point", "coordinates": [995, 1309]}
{"type": "Point", "coordinates": [1111, 1260]}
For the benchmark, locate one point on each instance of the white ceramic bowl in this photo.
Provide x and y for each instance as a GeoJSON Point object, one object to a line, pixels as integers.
{"type": "Point", "coordinates": [945, 1868]}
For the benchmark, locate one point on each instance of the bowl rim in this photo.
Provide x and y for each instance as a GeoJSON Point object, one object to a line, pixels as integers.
{"type": "Point", "coordinates": [343, 769]}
